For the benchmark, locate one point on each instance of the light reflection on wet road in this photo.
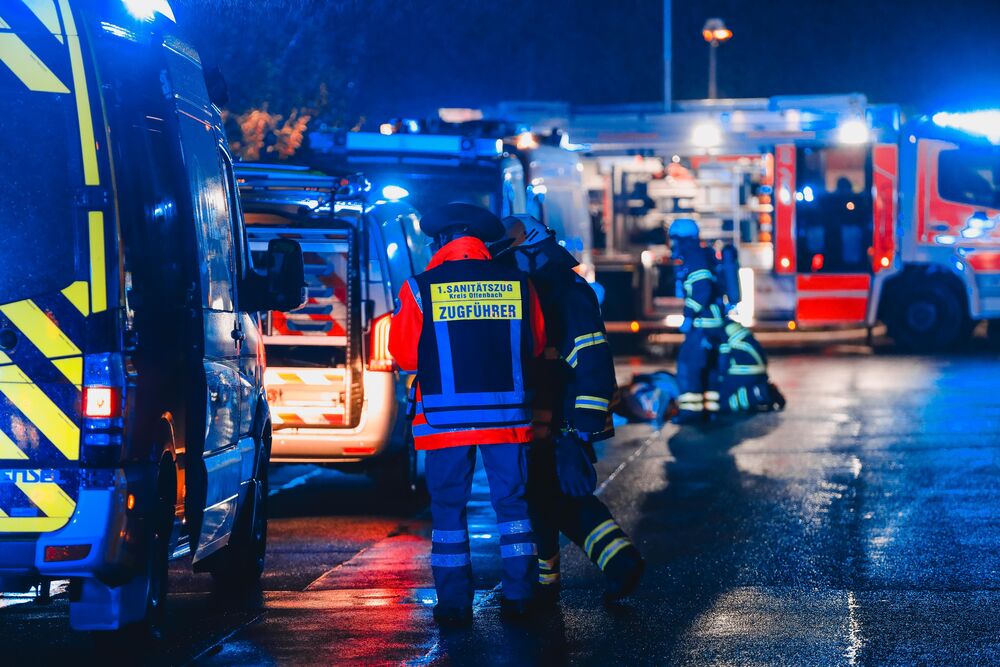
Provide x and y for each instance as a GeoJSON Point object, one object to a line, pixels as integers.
{"type": "Point", "coordinates": [861, 526]}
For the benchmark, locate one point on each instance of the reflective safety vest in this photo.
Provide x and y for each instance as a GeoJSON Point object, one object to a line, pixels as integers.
{"type": "Point", "coordinates": [745, 355]}
{"type": "Point", "coordinates": [475, 346]}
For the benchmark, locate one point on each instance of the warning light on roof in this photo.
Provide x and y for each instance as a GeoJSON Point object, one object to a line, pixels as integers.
{"type": "Point", "coordinates": [853, 132]}
{"type": "Point", "coordinates": [395, 192]}
{"type": "Point", "coordinates": [985, 123]}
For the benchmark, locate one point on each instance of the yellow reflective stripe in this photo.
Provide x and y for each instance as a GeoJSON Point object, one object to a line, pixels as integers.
{"type": "Point", "coordinates": [551, 564]}
{"type": "Point", "coordinates": [72, 368]}
{"type": "Point", "coordinates": [700, 274]}
{"type": "Point", "coordinates": [596, 534]}
{"type": "Point", "coordinates": [41, 411]}
{"type": "Point", "coordinates": [45, 10]}
{"type": "Point", "coordinates": [548, 579]}
{"type": "Point", "coordinates": [91, 174]}
{"type": "Point", "coordinates": [78, 295]}
{"type": "Point", "coordinates": [40, 524]}
{"type": "Point", "coordinates": [611, 550]}
{"type": "Point", "coordinates": [28, 67]}
{"type": "Point", "coordinates": [4, 359]}
{"type": "Point", "coordinates": [592, 403]}
{"type": "Point", "coordinates": [9, 449]}
{"type": "Point", "coordinates": [98, 279]}
{"type": "Point", "coordinates": [49, 498]}
{"type": "Point", "coordinates": [584, 337]}
{"type": "Point", "coordinates": [39, 329]}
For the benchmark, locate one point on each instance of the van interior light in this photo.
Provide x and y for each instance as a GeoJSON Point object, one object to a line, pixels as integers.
{"type": "Point", "coordinates": [853, 132]}
{"type": "Point", "coordinates": [146, 10]}
{"type": "Point", "coordinates": [395, 192]}
{"type": "Point", "coordinates": [706, 135]}
{"type": "Point", "coordinates": [985, 123]}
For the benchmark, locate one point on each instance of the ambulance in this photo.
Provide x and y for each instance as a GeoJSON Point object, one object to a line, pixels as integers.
{"type": "Point", "coordinates": [133, 422]}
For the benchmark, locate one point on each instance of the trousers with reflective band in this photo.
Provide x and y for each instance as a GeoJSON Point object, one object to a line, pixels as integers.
{"type": "Point", "coordinates": [449, 483]}
{"type": "Point", "coordinates": [474, 350]}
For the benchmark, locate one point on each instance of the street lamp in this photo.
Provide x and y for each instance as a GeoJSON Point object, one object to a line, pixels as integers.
{"type": "Point", "coordinates": [715, 32]}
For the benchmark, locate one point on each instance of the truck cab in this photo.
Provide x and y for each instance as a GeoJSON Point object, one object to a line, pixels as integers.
{"type": "Point", "coordinates": [336, 397]}
{"type": "Point", "coordinates": [133, 421]}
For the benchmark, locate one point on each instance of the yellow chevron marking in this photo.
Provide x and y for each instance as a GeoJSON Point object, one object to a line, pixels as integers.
{"type": "Point", "coordinates": [39, 329]}
{"type": "Point", "coordinates": [78, 294]}
{"type": "Point", "coordinates": [45, 10]}
{"type": "Point", "coordinates": [49, 498]}
{"type": "Point", "coordinates": [91, 173]}
{"type": "Point", "coordinates": [41, 411]}
{"type": "Point", "coordinates": [4, 359]}
{"type": "Point", "coordinates": [28, 67]}
{"type": "Point", "coordinates": [98, 277]}
{"type": "Point", "coordinates": [3, 25]}
{"type": "Point", "coordinates": [72, 368]}
{"type": "Point", "coordinates": [8, 448]}
{"type": "Point", "coordinates": [41, 524]}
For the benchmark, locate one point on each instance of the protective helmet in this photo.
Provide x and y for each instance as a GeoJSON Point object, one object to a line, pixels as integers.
{"type": "Point", "coordinates": [460, 218]}
{"type": "Point", "coordinates": [534, 230]}
{"type": "Point", "coordinates": [536, 245]}
{"type": "Point", "coordinates": [683, 228]}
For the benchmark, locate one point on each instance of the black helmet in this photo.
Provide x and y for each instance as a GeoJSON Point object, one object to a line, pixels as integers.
{"type": "Point", "coordinates": [469, 219]}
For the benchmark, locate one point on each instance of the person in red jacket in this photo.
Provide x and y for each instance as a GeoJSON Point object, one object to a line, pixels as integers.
{"type": "Point", "coordinates": [470, 327]}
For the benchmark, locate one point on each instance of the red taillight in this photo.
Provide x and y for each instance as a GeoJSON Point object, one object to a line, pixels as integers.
{"type": "Point", "coordinates": [379, 358]}
{"type": "Point", "coordinates": [68, 552]}
{"type": "Point", "coordinates": [101, 403]}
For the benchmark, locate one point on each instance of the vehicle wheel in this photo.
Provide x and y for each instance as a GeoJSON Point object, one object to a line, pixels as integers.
{"type": "Point", "coordinates": [993, 333]}
{"type": "Point", "coordinates": [928, 320]}
{"type": "Point", "coordinates": [239, 566]}
{"type": "Point", "coordinates": [401, 474]}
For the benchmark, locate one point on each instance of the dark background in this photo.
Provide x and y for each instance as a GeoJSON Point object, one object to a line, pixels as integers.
{"type": "Point", "coordinates": [348, 59]}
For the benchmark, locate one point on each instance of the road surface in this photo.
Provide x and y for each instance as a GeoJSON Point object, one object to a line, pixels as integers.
{"type": "Point", "coordinates": [860, 526]}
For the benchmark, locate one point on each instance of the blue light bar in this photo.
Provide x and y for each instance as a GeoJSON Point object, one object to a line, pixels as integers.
{"type": "Point", "coordinates": [422, 143]}
{"type": "Point", "coordinates": [985, 123]}
{"type": "Point", "coordinates": [395, 192]}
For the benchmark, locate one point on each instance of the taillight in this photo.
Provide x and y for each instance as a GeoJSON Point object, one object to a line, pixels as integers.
{"type": "Point", "coordinates": [101, 402]}
{"type": "Point", "coordinates": [57, 554]}
{"type": "Point", "coordinates": [379, 358]}
{"type": "Point", "coordinates": [102, 409]}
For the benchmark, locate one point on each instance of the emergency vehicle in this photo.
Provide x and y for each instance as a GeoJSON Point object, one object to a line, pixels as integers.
{"type": "Point", "coordinates": [335, 396]}
{"type": "Point", "coordinates": [133, 422]}
{"type": "Point", "coordinates": [842, 217]}
{"type": "Point", "coordinates": [495, 164]}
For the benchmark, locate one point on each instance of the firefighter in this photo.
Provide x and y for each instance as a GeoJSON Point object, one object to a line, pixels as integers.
{"type": "Point", "coordinates": [470, 327]}
{"type": "Point", "coordinates": [575, 383]}
{"type": "Point", "coordinates": [697, 361]}
{"type": "Point", "coordinates": [744, 385]}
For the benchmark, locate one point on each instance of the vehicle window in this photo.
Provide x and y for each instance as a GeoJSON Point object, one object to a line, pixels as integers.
{"type": "Point", "coordinates": [242, 258]}
{"type": "Point", "coordinates": [213, 221]}
{"type": "Point", "coordinates": [43, 170]}
{"type": "Point", "coordinates": [970, 177]}
{"type": "Point", "coordinates": [381, 256]}
{"type": "Point", "coordinates": [833, 210]}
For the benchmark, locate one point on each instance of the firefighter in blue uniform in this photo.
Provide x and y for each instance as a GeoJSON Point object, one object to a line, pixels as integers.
{"type": "Point", "coordinates": [744, 384]}
{"type": "Point", "coordinates": [697, 361]}
{"type": "Point", "coordinates": [575, 382]}
{"type": "Point", "coordinates": [470, 328]}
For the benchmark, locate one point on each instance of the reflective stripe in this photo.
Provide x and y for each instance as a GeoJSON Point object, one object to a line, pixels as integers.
{"type": "Point", "coordinates": [415, 291]}
{"type": "Point", "coordinates": [738, 369]}
{"type": "Point", "coordinates": [611, 550]}
{"type": "Point", "coordinates": [514, 527]}
{"type": "Point", "coordinates": [711, 395]}
{"type": "Point", "coordinates": [552, 565]}
{"type": "Point", "coordinates": [444, 358]}
{"type": "Point", "coordinates": [597, 533]}
{"type": "Point", "coordinates": [692, 304]}
{"type": "Point", "coordinates": [46, 335]}
{"type": "Point", "coordinates": [473, 399]}
{"type": "Point", "coordinates": [41, 411]}
{"type": "Point", "coordinates": [549, 579]}
{"type": "Point", "coordinates": [27, 66]}
{"type": "Point", "coordinates": [583, 342]}
{"type": "Point", "coordinates": [468, 417]}
{"type": "Point", "coordinates": [592, 403]}
{"type": "Point", "coordinates": [449, 536]}
{"type": "Point", "coordinates": [450, 560]}
{"type": "Point", "coordinates": [712, 406]}
{"type": "Point", "coordinates": [517, 550]}
{"type": "Point", "coordinates": [744, 400]}
{"type": "Point", "coordinates": [695, 276]}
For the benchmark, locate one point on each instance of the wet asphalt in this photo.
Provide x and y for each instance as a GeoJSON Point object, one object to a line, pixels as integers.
{"type": "Point", "coordinates": [859, 526]}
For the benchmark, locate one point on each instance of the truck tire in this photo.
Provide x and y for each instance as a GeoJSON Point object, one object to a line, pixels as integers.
{"type": "Point", "coordinates": [237, 568]}
{"type": "Point", "coordinates": [928, 319]}
{"type": "Point", "coordinates": [400, 475]}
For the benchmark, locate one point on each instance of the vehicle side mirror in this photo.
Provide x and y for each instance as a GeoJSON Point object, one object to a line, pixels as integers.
{"type": "Point", "coordinates": [286, 279]}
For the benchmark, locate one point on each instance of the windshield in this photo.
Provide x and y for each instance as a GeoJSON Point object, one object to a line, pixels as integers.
{"type": "Point", "coordinates": [42, 244]}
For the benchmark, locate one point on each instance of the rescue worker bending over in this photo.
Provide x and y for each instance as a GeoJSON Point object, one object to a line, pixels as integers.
{"type": "Point", "coordinates": [470, 327]}
{"type": "Point", "coordinates": [575, 383]}
{"type": "Point", "coordinates": [743, 369]}
{"type": "Point", "coordinates": [703, 323]}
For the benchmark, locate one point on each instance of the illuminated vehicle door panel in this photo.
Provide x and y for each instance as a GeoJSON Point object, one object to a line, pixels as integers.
{"type": "Point", "coordinates": [832, 299]}
{"type": "Point", "coordinates": [886, 178]}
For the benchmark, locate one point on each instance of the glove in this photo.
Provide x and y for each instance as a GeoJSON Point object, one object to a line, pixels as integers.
{"type": "Point", "coordinates": [577, 476]}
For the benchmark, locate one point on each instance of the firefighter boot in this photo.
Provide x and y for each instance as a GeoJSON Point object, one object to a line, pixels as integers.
{"type": "Point", "coordinates": [547, 592]}
{"type": "Point", "coordinates": [515, 610]}
{"type": "Point", "coordinates": [453, 617]}
{"type": "Point", "coordinates": [622, 574]}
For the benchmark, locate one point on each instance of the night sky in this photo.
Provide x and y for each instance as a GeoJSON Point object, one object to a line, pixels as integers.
{"type": "Point", "coordinates": [385, 58]}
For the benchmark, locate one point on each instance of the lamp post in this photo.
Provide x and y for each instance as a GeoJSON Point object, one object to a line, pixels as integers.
{"type": "Point", "coordinates": [715, 32]}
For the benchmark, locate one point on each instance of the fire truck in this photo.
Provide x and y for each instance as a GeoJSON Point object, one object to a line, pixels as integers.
{"type": "Point", "coordinates": [843, 216]}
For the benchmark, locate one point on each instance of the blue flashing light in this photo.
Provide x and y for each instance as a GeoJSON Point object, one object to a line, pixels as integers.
{"type": "Point", "coordinates": [146, 10]}
{"type": "Point", "coordinates": [395, 193]}
{"type": "Point", "coordinates": [985, 123]}
{"type": "Point", "coordinates": [807, 193]}
{"type": "Point", "coordinates": [853, 132]}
